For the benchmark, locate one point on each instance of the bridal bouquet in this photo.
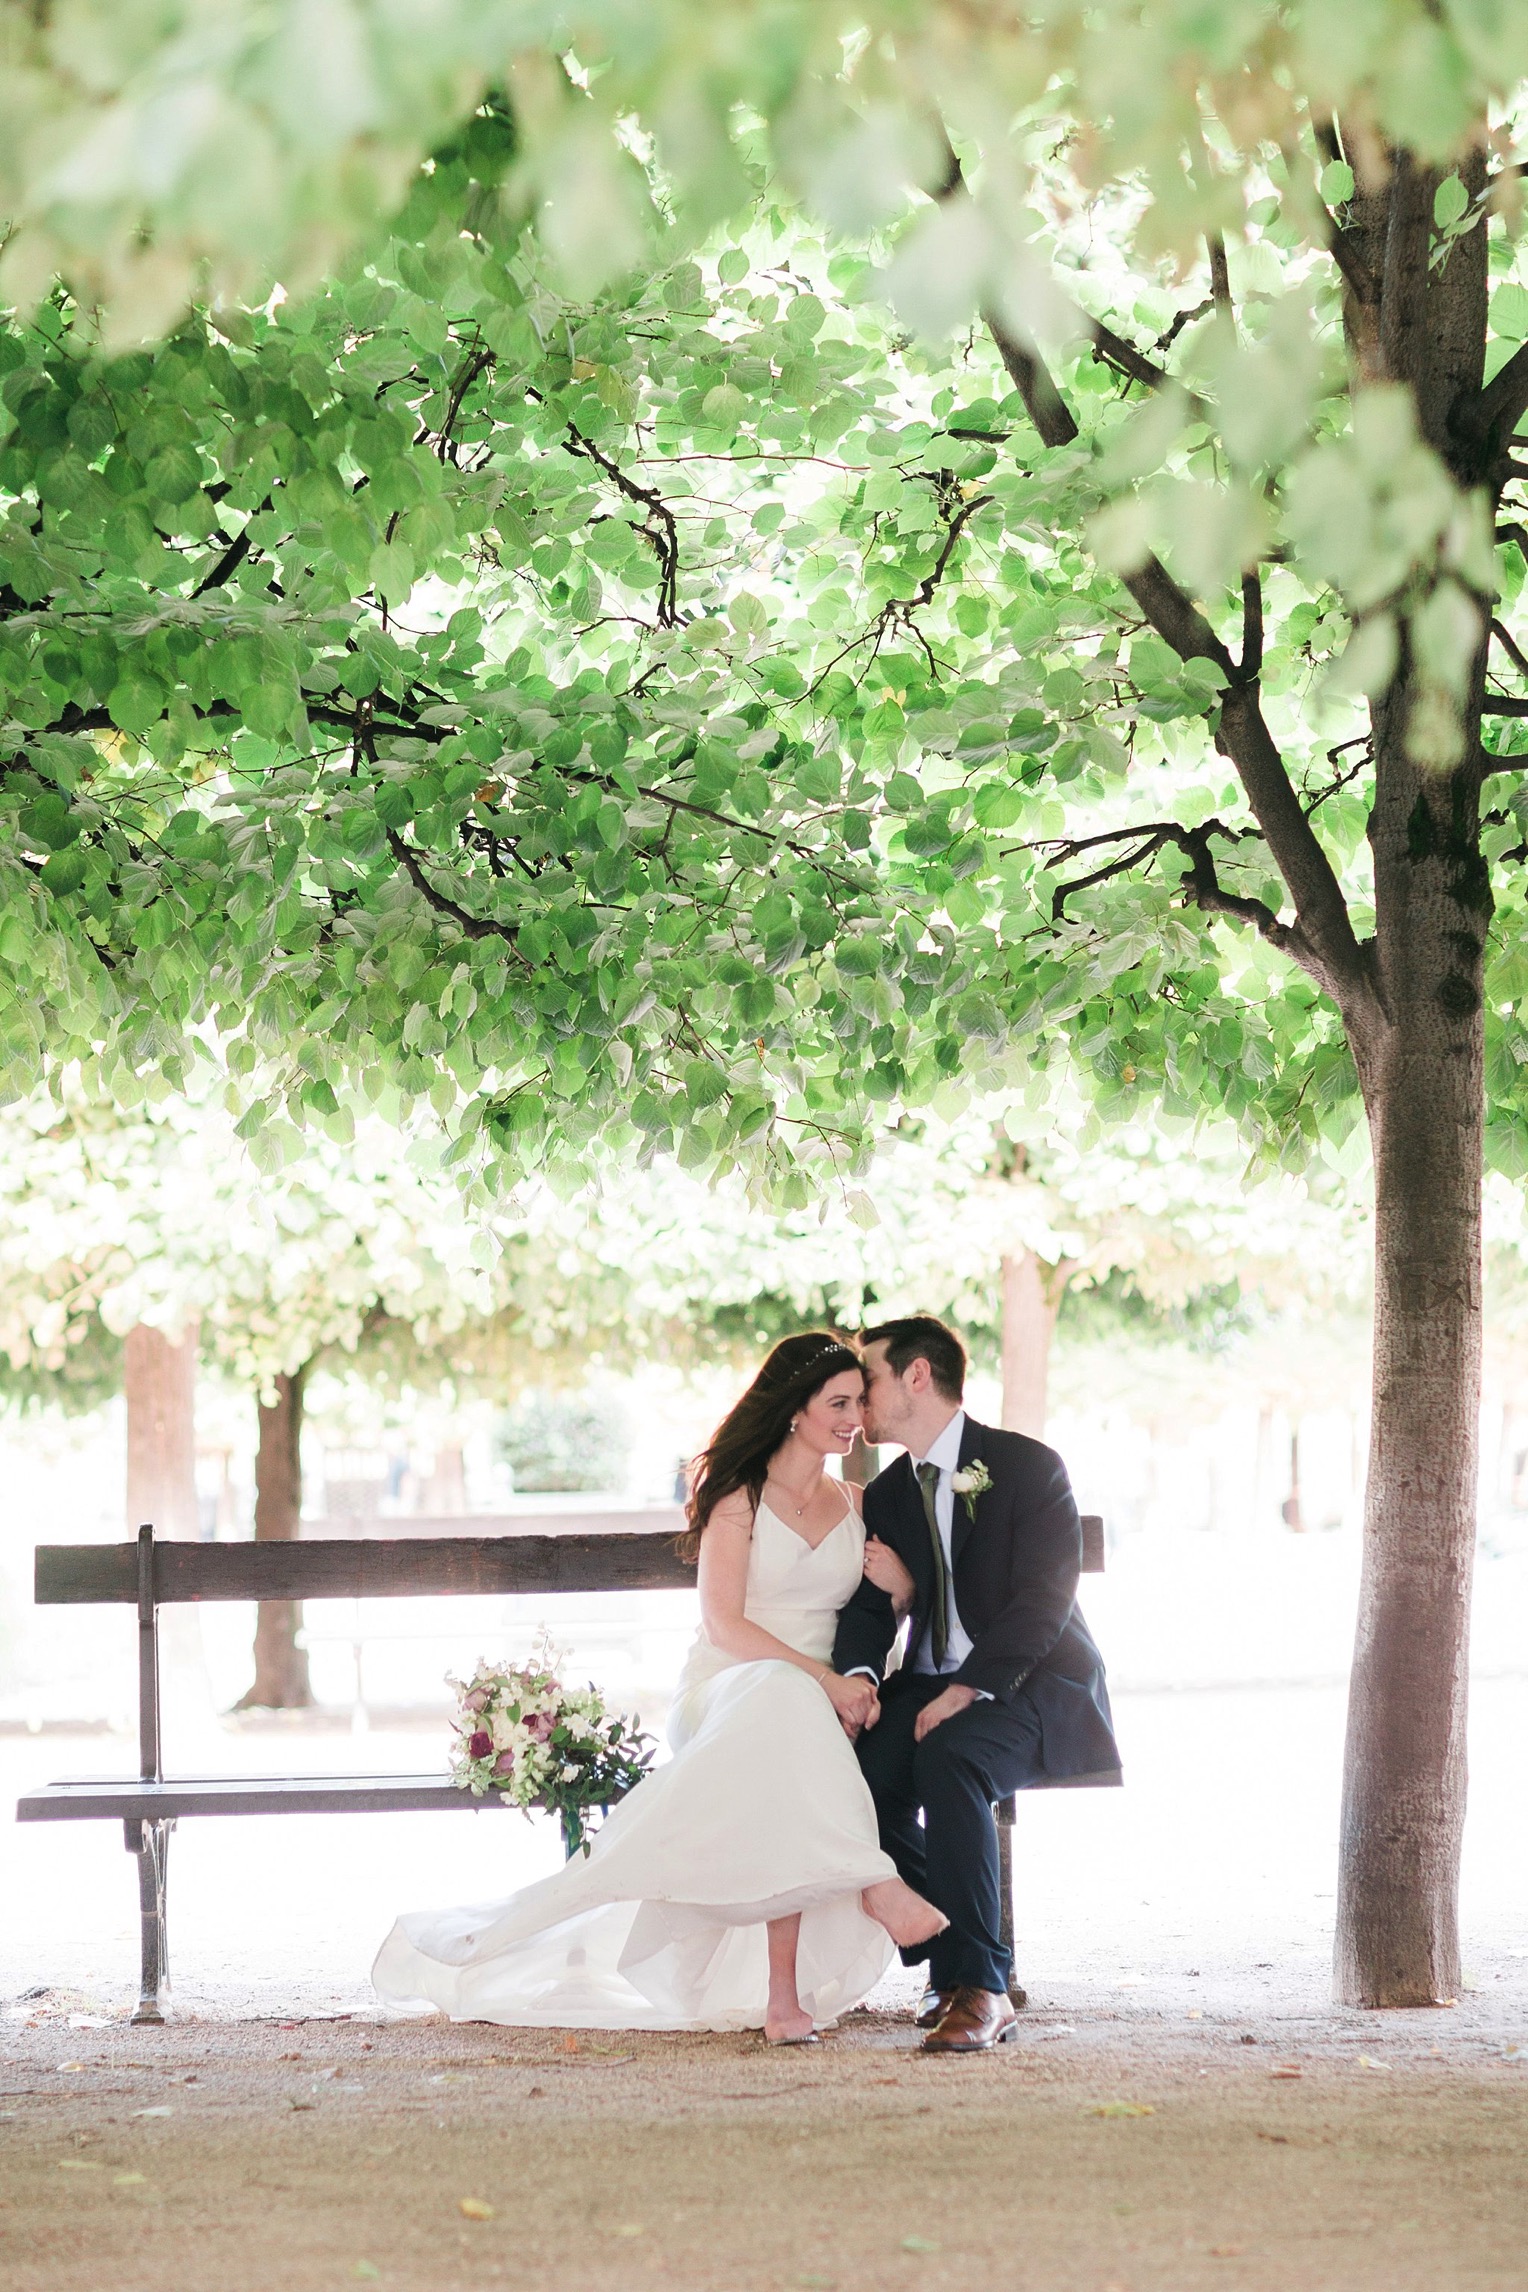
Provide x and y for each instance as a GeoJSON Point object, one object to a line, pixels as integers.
{"type": "Point", "coordinates": [520, 1731]}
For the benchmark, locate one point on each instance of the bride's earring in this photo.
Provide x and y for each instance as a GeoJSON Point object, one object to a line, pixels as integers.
{"type": "Point", "coordinates": [793, 1424]}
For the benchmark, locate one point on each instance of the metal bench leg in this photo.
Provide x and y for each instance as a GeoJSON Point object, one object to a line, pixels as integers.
{"type": "Point", "coordinates": [150, 1842]}
{"type": "Point", "coordinates": [1004, 1811]}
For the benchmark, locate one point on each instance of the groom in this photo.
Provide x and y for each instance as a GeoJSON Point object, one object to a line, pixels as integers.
{"type": "Point", "coordinates": [1002, 1688]}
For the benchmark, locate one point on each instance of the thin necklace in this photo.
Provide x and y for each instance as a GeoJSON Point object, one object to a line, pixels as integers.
{"type": "Point", "coordinates": [798, 1509]}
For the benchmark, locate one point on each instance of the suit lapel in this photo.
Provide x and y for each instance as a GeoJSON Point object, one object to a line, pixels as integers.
{"type": "Point", "coordinates": [962, 1521]}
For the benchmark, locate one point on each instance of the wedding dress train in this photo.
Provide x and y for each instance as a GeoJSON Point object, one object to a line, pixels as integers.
{"type": "Point", "coordinates": [761, 1811]}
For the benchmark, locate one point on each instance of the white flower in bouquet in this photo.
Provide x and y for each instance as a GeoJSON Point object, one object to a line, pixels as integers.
{"type": "Point", "coordinates": [520, 1732]}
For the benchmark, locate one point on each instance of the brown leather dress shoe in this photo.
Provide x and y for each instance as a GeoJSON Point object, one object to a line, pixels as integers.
{"type": "Point", "coordinates": [976, 2020]}
{"type": "Point", "coordinates": [933, 2006]}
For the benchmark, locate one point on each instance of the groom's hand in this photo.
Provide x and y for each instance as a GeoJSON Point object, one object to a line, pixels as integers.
{"type": "Point", "coordinates": [855, 1700]}
{"type": "Point", "coordinates": [944, 1706]}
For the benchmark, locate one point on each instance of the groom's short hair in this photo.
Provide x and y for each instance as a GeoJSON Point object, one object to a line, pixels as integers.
{"type": "Point", "coordinates": [919, 1337]}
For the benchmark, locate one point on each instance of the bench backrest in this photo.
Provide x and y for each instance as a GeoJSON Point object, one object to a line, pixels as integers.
{"type": "Point", "coordinates": [384, 1567]}
{"type": "Point", "coordinates": [147, 1575]}
{"type": "Point", "coordinates": [381, 1567]}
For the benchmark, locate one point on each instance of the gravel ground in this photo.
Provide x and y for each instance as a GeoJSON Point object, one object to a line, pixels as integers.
{"type": "Point", "coordinates": [1184, 2107]}
{"type": "Point", "coordinates": [1120, 2153]}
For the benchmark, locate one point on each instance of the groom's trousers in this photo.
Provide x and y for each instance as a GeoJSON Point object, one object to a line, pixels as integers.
{"type": "Point", "coordinates": [951, 1778]}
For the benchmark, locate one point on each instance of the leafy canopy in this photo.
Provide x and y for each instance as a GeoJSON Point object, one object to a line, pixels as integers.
{"type": "Point", "coordinates": [707, 716]}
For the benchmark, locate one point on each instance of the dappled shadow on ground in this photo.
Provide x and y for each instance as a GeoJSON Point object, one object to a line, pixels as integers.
{"type": "Point", "coordinates": [1108, 2151]}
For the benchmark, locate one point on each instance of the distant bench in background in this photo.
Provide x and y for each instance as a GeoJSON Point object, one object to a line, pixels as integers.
{"type": "Point", "coordinates": [148, 1575]}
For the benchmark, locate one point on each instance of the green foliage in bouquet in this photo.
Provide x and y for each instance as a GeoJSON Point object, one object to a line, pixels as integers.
{"type": "Point", "coordinates": [520, 1731]}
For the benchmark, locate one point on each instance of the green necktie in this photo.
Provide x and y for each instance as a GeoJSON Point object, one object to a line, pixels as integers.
{"type": "Point", "coordinates": [939, 1622]}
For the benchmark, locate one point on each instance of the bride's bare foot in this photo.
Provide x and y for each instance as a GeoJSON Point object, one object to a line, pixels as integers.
{"type": "Point", "coordinates": [791, 2025]}
{"type": "Point", "coordinates": [907, 1918]}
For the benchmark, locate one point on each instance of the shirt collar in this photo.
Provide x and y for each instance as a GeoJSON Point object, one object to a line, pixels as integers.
{"type": "Point", "coordinates": [945, 1451]}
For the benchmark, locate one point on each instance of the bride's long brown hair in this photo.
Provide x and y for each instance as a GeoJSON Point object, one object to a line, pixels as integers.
{"type": "Point", "coordinates": [738, 1452]}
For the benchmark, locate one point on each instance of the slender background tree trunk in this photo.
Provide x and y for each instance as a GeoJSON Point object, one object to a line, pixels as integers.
{"type": "Point", "coordinates": [281, 1680]}
{"type": "Point", "coordinates": [1032, 1294]}
{"type": "Point", "coordinates": [159, 1383]}
{"type": "Point", "coordinates": [159, 1386]}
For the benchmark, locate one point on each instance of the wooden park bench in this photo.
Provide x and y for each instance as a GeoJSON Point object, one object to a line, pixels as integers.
{"type": "Point", "coordinates": [147, 1575]}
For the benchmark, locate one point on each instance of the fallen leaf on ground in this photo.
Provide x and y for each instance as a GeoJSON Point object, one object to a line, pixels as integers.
{"type": "Point", "coordinates": [80, 2165]}
{"type": "Point", "coordinates": [65, 2066]}
{"type": "Point", "coordinates": [475, 2208]}
{"type": "Point", "coordinates": [1365, 2062]}
{"type": "Point", "coordinates": [629, 2228]}
{"type": "Point", "coordinates": [1122, 2109]}
{"type": "Point", "coordinates": [127, 2180]}
{"type": "Point", "coordinates": [1287, 2069]}
{"type": "Point", "coordinates": [919, 2244]}
{"type": "Point", "coordinates": [1226, 2251]}
{"type": "Point", "coordinates": [294, 2104]}
{"type": "Point", "coordinates": [367, 2270]}
{"type": "Point", "coordinates": [162, 2110]}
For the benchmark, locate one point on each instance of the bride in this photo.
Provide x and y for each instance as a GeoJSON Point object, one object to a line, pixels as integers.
{"type": "Point", "coordinates": [742, 1884]}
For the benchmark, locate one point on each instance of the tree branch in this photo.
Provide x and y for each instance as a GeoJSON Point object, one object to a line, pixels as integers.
{"type": "Point", "coordinates": [1510, 646]}
{"type": "Point", "coordinates": [1502, 404]}
{"type": "Point", "coordinates": [228, 564]}
{"type": "Point", "coordinates": [1031, 377]}
{"type": "Point", "coordinates": [661, 531]}
{"type": "Point", "coordinates": [1220, 275]}
{"type": "Point", "coordinates": [1323, 939]}
{"type": "Point", "coordinates": [1113, 350]}
{"type": "Point", "coordinates": [475, 926]}
{"type": "Point", "coordinates": [1250, 666]}
{"type": "Point", "coordinates": [1203, 888]}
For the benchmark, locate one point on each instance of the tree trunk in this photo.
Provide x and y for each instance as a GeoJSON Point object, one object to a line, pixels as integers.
{"type": "Point", "coordinates": [159, 1383]}
{"type": "Point", "coordinates": [1404, 1784]}
{"type": "Point", "coordinates": [1032, 1294]}
{"type": "Point", "coordinates": [1420, 1059]}
{"type": "Point", "coordinates": [1293, 1516]}
{"type": "Point", "coordinates": [281, 1667]}
{"type": "Point", "coordinates": [159, 1386]}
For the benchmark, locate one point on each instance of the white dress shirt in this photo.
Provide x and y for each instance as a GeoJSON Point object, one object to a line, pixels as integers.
{"type": "Point", "coordinates": [945, 1453]}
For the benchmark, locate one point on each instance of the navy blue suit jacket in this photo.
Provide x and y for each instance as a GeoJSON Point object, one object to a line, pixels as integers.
{"type": "Point", "coordinates": [1017, 1555]}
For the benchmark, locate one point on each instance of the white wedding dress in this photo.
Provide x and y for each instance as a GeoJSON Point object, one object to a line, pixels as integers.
{"type": "Point", "coordinates": [761, 1811]}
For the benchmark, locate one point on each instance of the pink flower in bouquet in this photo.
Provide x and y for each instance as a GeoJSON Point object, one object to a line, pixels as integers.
{"type": "Point", "coordinates": [504, 1764]}
{"type": "Point", "coordinates": [479, 1745]}
{"type": "Point", "coordinates": [539, 1726]}
{"type": "Point", "coordinates": [475, 1699]}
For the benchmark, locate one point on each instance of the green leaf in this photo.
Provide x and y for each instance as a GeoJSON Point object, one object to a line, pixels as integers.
{"type": "Point", "coordinates": [1336, 183]}
{"type": "Point", "coordinates": [64, 872]}
{"type": "Point", "coordinates": [1450, 202]}
{"type": "Point", "coordinates": [998, 804]}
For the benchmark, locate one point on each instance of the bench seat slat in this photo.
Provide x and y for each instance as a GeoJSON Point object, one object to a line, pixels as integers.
{"type": "Point", "coordinates": [246, 1794]}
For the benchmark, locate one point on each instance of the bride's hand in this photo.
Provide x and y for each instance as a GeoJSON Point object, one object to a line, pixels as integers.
{"type": "Point", "coordinates": [886, 1571]}
{"type": "Point", "coordinates": [855, 1700]}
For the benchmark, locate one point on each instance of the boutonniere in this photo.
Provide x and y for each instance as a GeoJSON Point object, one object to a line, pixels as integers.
{"type": "Point", "coordinates": [972, 1480]}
